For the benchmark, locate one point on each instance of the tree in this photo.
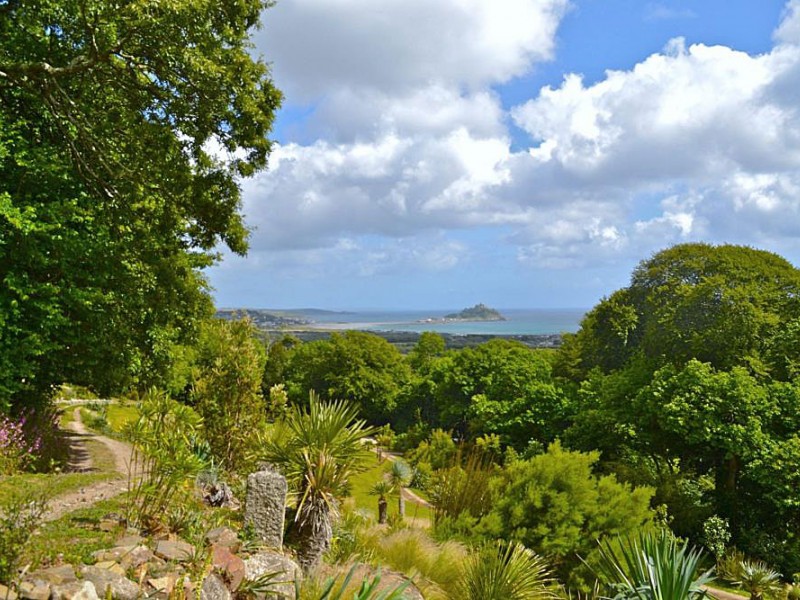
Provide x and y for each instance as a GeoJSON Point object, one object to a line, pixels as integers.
{"type": "Point", "coordinates": [318, 449]}
{"type": "Point", "coordinates": [227, 388]}
{"type": "Point", "coordinates": [718, 304]}
{"type": "Point", "coordinates": [500, 387]}
{"type": "Point", "coordinates": [124, 131]}
{"type": "Point", "coordinates": [362, 368]}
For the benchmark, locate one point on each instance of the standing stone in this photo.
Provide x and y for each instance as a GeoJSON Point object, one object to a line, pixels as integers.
{"type": "Point", "coordinates": [265, 506]}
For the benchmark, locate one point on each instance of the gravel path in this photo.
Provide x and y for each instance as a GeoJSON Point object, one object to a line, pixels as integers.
{"type": "Point", "coordinates": [81, 462]}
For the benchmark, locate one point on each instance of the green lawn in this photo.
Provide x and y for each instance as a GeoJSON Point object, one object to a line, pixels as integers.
{"type": "Point", "coordinates": [361, 484]}
{"type": "Point", "coordinates": [119, 415]}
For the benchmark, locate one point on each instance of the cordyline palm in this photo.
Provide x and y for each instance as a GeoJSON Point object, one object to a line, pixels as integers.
{"type": "Point", "coordinates": [400, 476]}
{"type": "Point", "coordinates": [382, 489]}
{"type": "Point", "coordinates": [758, 579]}
{"type": "Point", "coordinates": [318, 449]}
{"type": "Point", "coordinates": [652, 566]}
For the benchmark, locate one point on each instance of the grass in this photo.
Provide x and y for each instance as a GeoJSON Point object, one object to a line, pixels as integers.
{"type": "Point", "coordinates": [53, 484]}
{"type": "Point", "coordinates": [119, 415]}
{"type": "Point", "coordinates": [363, 482]}
{"type": "Point", "coordinates": [74, 537]}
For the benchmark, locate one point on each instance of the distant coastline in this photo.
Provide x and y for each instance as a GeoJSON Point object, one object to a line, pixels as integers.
{"type": "Point", "coordinates": [534, 327]}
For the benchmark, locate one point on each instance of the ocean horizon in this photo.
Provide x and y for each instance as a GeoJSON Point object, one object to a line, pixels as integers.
{"type": "Point", "coordinates": [518, 321]}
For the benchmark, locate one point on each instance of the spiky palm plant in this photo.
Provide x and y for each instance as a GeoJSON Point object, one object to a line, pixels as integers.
{"type": "Point", "coordinates": [652, 566]}
{"type": "Point", "coordinates": [382, 489]}
{"type": "Point", "coordinates": [400, 476]}
{"type": "Point", "coordinates": [318, 449]}
{"type": "Point", "coordinates": [758, 579]}
{"type": "Point", "coordinates": [504, 571]}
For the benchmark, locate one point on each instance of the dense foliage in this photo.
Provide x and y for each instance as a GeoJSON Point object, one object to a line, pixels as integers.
{"type": "Point", "coordinates": [124, 129]}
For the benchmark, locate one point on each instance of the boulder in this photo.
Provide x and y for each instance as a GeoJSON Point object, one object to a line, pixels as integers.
{"type": "Point", "coordinates": [103, 580]}
{"type": "Point", "coordinates": [174, 550]}
{"type": "Point", "coordinates": [6, 593]}
{"type": "Point", "coordinates": [53, 575]}
{"type": "Point", "coordinates": [33, 590]}
{"type": "Point", "coordinates": [224, 536]}
{"type": "Point", "coordinates": [214, 589]}
{"type": "Point", "coordinates": [229, 566]}
{"type": "Point", "coordinates": [77, 590]}
{"type": "Point", "coordinates": [274, 562]}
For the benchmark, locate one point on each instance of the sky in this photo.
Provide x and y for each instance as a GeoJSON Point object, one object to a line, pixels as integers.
{"type": "Point", "coordinates": [432, 154]}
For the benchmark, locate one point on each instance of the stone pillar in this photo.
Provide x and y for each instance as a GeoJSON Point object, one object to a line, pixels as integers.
{"type": "Point", "coordinates": [265, 506]}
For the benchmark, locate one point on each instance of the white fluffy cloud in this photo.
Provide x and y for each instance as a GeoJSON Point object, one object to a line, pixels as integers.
{"type": "Point", "coordinates": [408, 140]}
{"type": "Point", "coordinates": [319, 46]}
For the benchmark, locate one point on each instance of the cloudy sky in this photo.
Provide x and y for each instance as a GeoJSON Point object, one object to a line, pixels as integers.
{"type": "Point", "coordinates": [521, 153]}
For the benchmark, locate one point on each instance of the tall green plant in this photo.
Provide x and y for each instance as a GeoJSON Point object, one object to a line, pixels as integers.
{"type": "Point", "coordinates": [318, 449]}
{"type": "Point", "coordinates": [162, 461]}
{"type": "Point", "coordinates": [652, 566]}
{"type": "Point", "coordinates": [227, 388]}
{"type": "Point", "coordinates": [504, 571]}
{"type": "Point", "coordinates": [462, 489]}
{"type": "Point", "coordinates": [400, 476]}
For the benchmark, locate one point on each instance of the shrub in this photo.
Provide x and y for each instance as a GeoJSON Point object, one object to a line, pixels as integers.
{"type": "Point", "coordinates": [556, 506]}
{"type": "Point", "coordinates": [163, 464]}
{"type": "Point", "coordinates": [758, 579]}
{"type": "Point", "coordinates": [19, 517]}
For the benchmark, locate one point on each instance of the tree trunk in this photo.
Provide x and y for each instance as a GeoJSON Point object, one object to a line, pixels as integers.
{"type": "Point", "coordinates": [314, 533]}
{"type": "Point", "coordinates": [383, 507]}
{"type": "Point", "coordinates": [401, 503]}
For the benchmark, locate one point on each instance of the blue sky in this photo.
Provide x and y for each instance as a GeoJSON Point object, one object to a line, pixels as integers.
{"type": "Point", "coordinates": [522, 153]}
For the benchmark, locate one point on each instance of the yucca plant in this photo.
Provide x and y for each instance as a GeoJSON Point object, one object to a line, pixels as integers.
{"type": "Point", "coordinates": [382, 489]}
{"type": "Point", "coordinates": [652, 566]}
{"type": "Point", "coordinates": [504, 571]}
{"type": "Point", "coordinates": [758, 579]}
{"type": "Point", "coordinates": [400, 476]}
{"type": "Point", "coordinates": [318, 449]}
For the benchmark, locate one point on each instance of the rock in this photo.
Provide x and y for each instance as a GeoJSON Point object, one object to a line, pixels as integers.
{"type": "Point", "coordinates": [136, 557]}
{"type": "Point", "coordinates": [214, 589]}
{"type": "Point", "coordinates": [33, 591]}
{"type": "Point", "coordinates": [163, 585]}
{"type": "Point", "coordinates": [224, 536]}
{"type": "Point", "coordinates": [115, 554]}
{"type": "Point", "coordinates": [265, 506]}
{"type": "Point", "coordinates": [130, 540]}
{"type": "Point", "coordinates": [7, 594]}
{"type": "Point", "coordinates": [272, 562]}
{"type": "Point", "coordinates": [103, 580]}
{"type": "Point", "coordinates": [110, 565]}
{"type": "Point", "coordinates": [77, 590]}
{"type": "Point", "coordinates": [54, 575]}
{"type": "Point", "coordinates": [229, 566]}
{"type": "Point", "coordinates": [174, 550]}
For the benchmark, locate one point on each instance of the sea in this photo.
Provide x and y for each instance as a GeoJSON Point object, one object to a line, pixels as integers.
{"type": "Point", "coordinates": [519, 321]}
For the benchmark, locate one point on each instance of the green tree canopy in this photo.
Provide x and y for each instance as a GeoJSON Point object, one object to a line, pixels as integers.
{"type": "Point", "coordinates": [359, 367]}
{"type": "Point", "coordinates": [124, 129]}
{"type": "Point", "coordinates": [722, 305]}
{"type": "Point", "coordinates": [500, 387]}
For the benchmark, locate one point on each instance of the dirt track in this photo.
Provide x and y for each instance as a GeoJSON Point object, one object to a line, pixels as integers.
{"type": "Point", "coordinates": [81, 462]}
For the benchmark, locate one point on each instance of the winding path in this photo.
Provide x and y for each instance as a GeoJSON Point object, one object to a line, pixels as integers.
{"type": "Point", "coordinates": [80, 461]}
